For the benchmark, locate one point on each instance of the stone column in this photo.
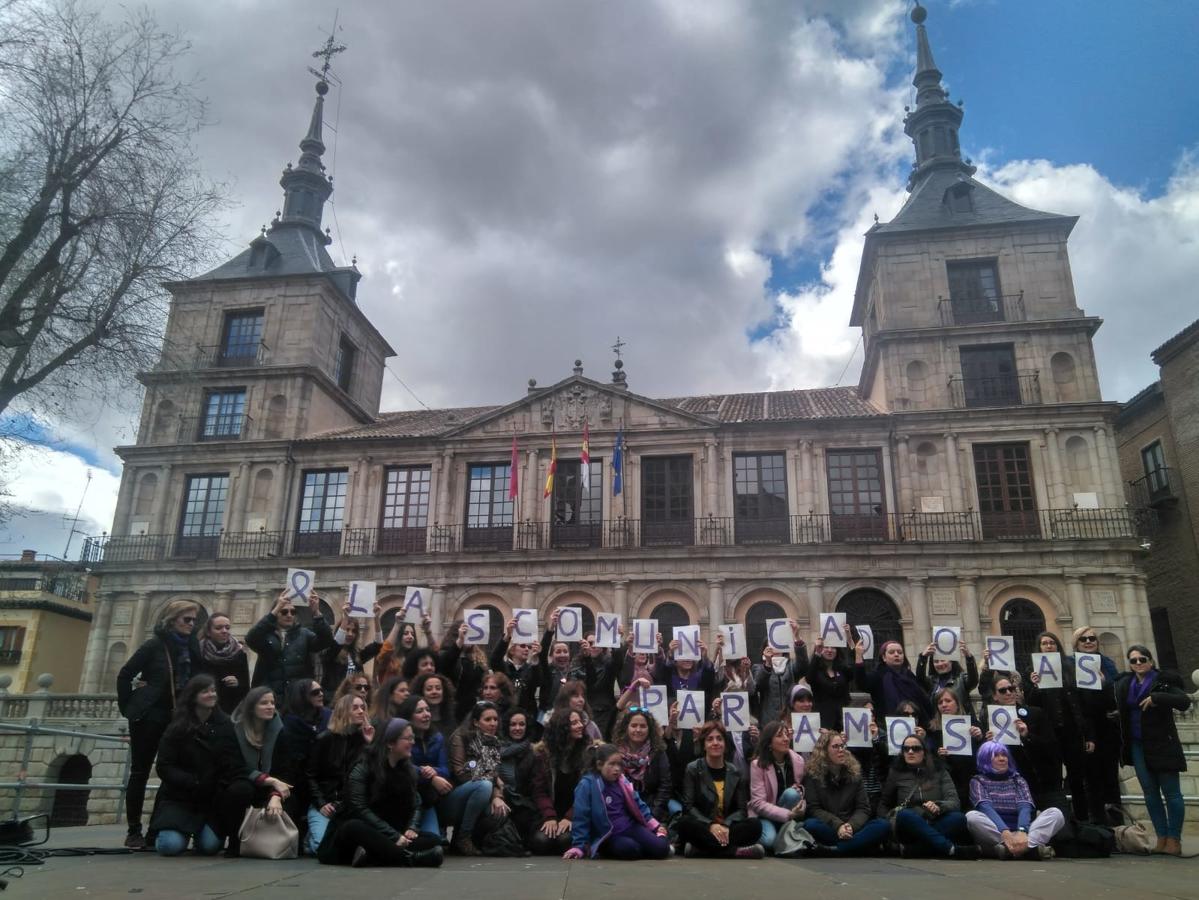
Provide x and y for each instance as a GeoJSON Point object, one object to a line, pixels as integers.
{"type": "Point", "coordinates": [715, 606]}
{"type": "Point", "coordinates": [791, 468]}
{"type": "Point", "coordinates": [1076, 597]}
{"type": "Point", "coordinates": [137, 628]}
{"type": "Point", "coordinates": [815, 603]}
{"type": "Point", "coordinates": [443, 488]}
{"type": "Point", "coordinates": [97, 644]}
{"type": "Point", "coordinates": [125, 500]}
{"type": "Point", "coordinates": [1057, 478]}
{"type": "Point", "coordinates": [162, 500]}
{"type": "Point", "coordinates": [1110, 496]}
{"type": "Point", "coordinates": [971, 623]}
{"type": "Point", "coordinates": [528, 594]}
{"type": "Point", "coordinates": [280, 521]}
{"type": "Point", "coordinates": [1134, 624]}
{"type": "Point", "coordinates": [956, 494]}
{"type": "Point", "coordinates": [904, 474]}
{"type": "Point", "coordinates": [437, 608]}
{"type": "Point", "coordinates": [620, 601]}
{"type": "Point", "coordinates": [807, 499]}
{"type": "Point", "coordinates": [236, 520]}
{"type": "Point", "coordinates": [726, 496]}
{"type": "Point", "coordinates": [266, 602]}
{"type": "Point", "coordinates": [921, 623]}
{"type": "Point", "coordinates": [1142, 601]}
{"type": "Point", "coordinates": [222, 601]}
{"type": "Point", "coordinates": [711, 478]}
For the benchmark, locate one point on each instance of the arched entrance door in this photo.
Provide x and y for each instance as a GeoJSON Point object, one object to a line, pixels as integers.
{"type": "Point", "coordinates": [70, 806]}
{"type": "Point", "coordinates": [867, 606]}
{"type": "Point", "coordinates": [1022, 620]}
{"type": "Point", "coordinates": [669, 615]}
{"type": "Point", "coordinates": [755, 623]}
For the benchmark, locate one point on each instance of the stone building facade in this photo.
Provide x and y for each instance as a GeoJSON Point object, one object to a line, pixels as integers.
{"type": "Point", "coordinates": [970, 478]}
{"type": "Point", "coordinates": [45, 615]}
{"type": "Point", "coordinates": [1158, 435]}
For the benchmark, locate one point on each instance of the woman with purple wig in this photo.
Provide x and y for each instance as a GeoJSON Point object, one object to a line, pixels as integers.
{"type": "Point", "coordinates": [1004, 823]}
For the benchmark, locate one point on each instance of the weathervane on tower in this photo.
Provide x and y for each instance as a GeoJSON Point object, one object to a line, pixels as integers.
{"type": "Point", "coordinates": [330, 49]}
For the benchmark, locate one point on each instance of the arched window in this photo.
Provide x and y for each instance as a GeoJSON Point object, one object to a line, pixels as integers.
{"type": "Point", "coordinates": [1023, 620]}
{"type": "Point", "coordinates": [755, 623]}
{"type": "Point", "coordinates": [70, 807]}
{"type": "Point", "coordinates": [495, 620]}
{"type": "Point", "coordinates": [669, 615]}
{"type": "Point", "coordinates": [304, 615]}
{"type": "Point", "coordinates": [866, 606]}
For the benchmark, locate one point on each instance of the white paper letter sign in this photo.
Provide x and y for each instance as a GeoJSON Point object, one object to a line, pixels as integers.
{"type": "Point", "coordinates": [1003, 724]}
{"type": "Point", "coordinates": [832, 629]}
{"type": "Point", "coordinates": [1003, 653]}
{"type": "Point", "coordinates": [691, 708]}
{"type": "Point", "coordinates": [955, 735]}
{"type": "Point", "coordinates": [299, 584]}
{"type": "Point", "coordinates": [1086, 669]}
{"type": "Point", "coordinates": [866, 636]}
{"type": "Point", "coordinates": [805, 728]}
{"type": "Point", "coordinates": [778, 635]}
{"type": "Point", "coordinates": [570, 624]}
{"type": "Point", "coordinates": [416, 604]}
{"type": "Point", "coordinates": [856, 727]}
{"type": "Point", "coordinates": [899, 729]}
{"type": "Point", "coordinates": [653, 698]}
{"type": "Point", "coordinates": [478, 627]}
{"type": "Point", "coordinates": [734, 641]}
{"type": "Point", "coordinates": [362, 599]}
{"type": "Point", "coordinates": [525, 630]}
{"type": "Point", "coordinates": [1048, 667]}
{"type": "Point", "coordinates": [688, 638]}
{"type": "Point", "coordinates": [734, 711]}
{"type": "Point", "coordinates": [946, 640]}
{"type": "Point", "coordinates": [645, 635]}
{"type": "Point", "coordinates": [607, 631]}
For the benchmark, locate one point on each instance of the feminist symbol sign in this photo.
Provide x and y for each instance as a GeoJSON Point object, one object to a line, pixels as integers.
{"type": "Point", "coordinates": [299, 584]}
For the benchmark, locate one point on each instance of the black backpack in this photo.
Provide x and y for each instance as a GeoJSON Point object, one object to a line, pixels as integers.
{"type": "Point", "coordinates": [1081, 840]}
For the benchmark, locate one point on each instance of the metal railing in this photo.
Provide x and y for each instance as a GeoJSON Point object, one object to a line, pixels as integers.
{"type": "Point", "coordinates": [221, 427]}
{"type": "Point", "coordinates": [1154, 489]}
{"type": "Point", "coordinates": [225, 356]}
{"type": "Point", "coordinates": [978, 310]}
{"type": "Point", "coordinates": [632, 534]}
{"type": "Point", "coordinates": [1023, 389]}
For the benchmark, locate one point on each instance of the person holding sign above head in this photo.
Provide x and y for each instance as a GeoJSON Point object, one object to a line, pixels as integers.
{"type": "Point", "coordinates": [776, 782]}
{"type": "Point", "coordinates": [829, 677]}
{"type": "Point", "coordinates": [1147, 699]}
{"type": "Point", "coordinates": [680, 671]}
{"type": "Point", "coordinates": [1004, 822]}
{"type": "Point", "coordinates": [948, 673]}
{"type": "Point", "coordinates": [601, 667]}
{"type": "Point", "coordinates": [286, 648]}
{"type": "Point", "coordinates": [346, 655]}
{"type": "Point", "coordinates": [400, 642]}
{"type": "Point", "coordinates": [463, 664]}
{"type": "Point", "coordinates": [778, 672]}
{"type": "Point", "coordinates": [922, 803]}
{"type": "Point", "coordinates": [954, 736]}
{"type": "Point", "coordinates": [715, 803]}
{"type": "Point", "coordinates": [554, 667]}
{"type": "Point", "coordinates": [559, 764]}
{"type": "Point", "coordinates": [645, 761]}
{"type": "Point", "coordinates": [1095, 675]}
{"type": "Point", "coordinates": [838, 809]}
{"type": "Point", "coordinates": [512, 659]}
{"type": "Point", "coordinates": [891, 682]}
{"type": "Point", "coordinates": [610, 818]}
{"type": "Point", "coordinates": [996, 666]}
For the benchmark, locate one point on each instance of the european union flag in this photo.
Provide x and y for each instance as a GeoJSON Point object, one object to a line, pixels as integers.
{"type": "Point", "coordinates": [618, 463]}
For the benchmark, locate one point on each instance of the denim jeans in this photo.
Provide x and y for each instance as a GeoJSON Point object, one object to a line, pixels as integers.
{"type": "Point", "coordinates": [317, 826]}
{"type": "Point", "coordinates": [462, 806]}
{"type": "Point", "coordinates": [1167, 817]}
{"type": "Point", "coordinates": [172, 843]}
{"type": "Point", "coordinates": [770, 829]}
{"type": "Point", "coordinates": [937, 836]}
{"type": "Point", "coordinates": [868, 838]}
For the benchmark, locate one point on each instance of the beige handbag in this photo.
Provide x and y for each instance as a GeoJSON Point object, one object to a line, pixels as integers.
{"type": "Point", "coordinates": [264, 837]}
{"type": "Point", "coordinates": [1133, 836]}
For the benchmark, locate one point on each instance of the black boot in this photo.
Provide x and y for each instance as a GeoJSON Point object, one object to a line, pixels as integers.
{"type": "Point", "coordinates": [428, 859]}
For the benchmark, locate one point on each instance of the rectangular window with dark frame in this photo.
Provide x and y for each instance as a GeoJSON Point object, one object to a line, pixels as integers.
{"type": "Point", "coordinates": [322, 512]}
{"type": "Point", "coordinates": [405, 510]}
{"type": "Point", "coordinates": [577, 514]}
{"type": "Point", "coordinates": [667, 504]}
{"type": "Point", "coordinates": [343, 368]}
{"type": "Point", "coordinates": [989, 376]}
{"type": "Point", "coordinates": [760, 498]}
{"type": "Point", "coordinates": [241, 341]}
{"type": "Point", "coordinates": [1157, 476]}
{"type": "Point", "coordinates": [1007, 504]}
{"type": "Point", "coordinates": [974, 291]}
{"type": "Point", "coordinates": [12, 642]}
{"type": "Point", "coordinates": [203, 515]}
{"type": "Point", "coordinates": [224, 415]}
{"type": "Point", "coordinates": [857, 510]}
{"type": "Point", "coordinates": [490, 512]}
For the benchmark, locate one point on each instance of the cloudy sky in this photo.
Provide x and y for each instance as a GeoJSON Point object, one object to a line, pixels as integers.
{"type": "Point", "coordinates": [523, 181]}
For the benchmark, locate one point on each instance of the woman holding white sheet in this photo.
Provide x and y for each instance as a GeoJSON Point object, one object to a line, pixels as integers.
{"type": "Point", "coordinates": [1064, 712]}
{"type": "Point", "coordinates": [1101, 769]}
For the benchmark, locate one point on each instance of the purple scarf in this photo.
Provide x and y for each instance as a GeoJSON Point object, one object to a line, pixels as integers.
{"type": "Point", "coordinates": [900, 685]}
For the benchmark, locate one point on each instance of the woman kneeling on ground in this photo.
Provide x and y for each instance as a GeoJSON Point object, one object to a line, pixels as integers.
{"type": "Point", "coordinates": [926, 816]}
{"type": "Point", "coordinates": [715, 800]}
{"type": "Point", "coordinates": [383, 808]}
{"type": "Point", "coordinates": [610, 818]}
{"type": "Point", "coordinates": [837, 805]}
{"type": "Point", "coordinates": [1004, 822]}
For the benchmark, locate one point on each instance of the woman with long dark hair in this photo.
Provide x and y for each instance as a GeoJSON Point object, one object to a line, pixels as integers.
{"type": "Point", "coordinates": [960, 766]}
{"type": "Point", "coordinates": [383, 809]}
{"type": "Point", "coordinates": [224, 658]}
{"type": "Point", "coordinates": [1147, 698]}
{"type": "Point", "coordinates": [922, 803]}
{"type": "Point", "coordinates": [387, 699]}
{"type": "Point", "coordinates": [891, 682]}
{"type": "Point", "coordinates": [572, 696]}
{"type": "Point", "coordinates": [465, 665]}
{"type": "Point", "coordinates": [474, 756]}
{"type": "Point", "coordinates": [645, 761]}
{"type": "Point", "coordinates": [258, 728]}
{"type": "Point", "coordinates": [1071, 729]}
{"type": "Point", "coordinates": [302, 716]}
{"type": "Point", "coordinates": [438, 691]}
{"type": "Point", "coordinates": [829, 677]}
{"type": "Point", "coordinates": [329, 764]}
{"type": "Point", "coordinates": [558, 768]}
{"type": "Point", "coordinates": [428, 757]}
{"type": "Point", "coordinates": [205, 787]}
{"type": "Point", "coordinates": [517, 762]}
{"type": "Point", "coordinates": [610, 818]}
{"type": "Point", "coordinates": [776, 794]}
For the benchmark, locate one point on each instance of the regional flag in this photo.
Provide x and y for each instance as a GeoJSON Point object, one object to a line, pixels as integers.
{"type": "Point", "coordinates": [514, 479]}
{"type": "Point", "coordinates": [618, 463]}
{"type": "Point", "coordinates": [585, 460]}
{"type": "Point", "coordinates": [549, 478]}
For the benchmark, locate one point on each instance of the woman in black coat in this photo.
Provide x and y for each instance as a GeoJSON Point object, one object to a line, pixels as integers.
{"type": "Point", "coordinates": [379, 827]}
{"type": "Point", "coordinates": [205, 786]}
{"type": "Point", "coordinates": [302, 716]}
{"type": "Point", "coordinates": [1147, 699]}
{"type": "Point", "coordinates": [161, 667]}
{"type": "Point", "coordinates": [330, 762]}
{"type": "Point", "coordinates": [717, 823]}
{"type": "Point", "coordinates": [286, 648]}
{"type": "Point", "coordinates": [829, 677]}
{"type": "Point", "coordinates": [224, 658]}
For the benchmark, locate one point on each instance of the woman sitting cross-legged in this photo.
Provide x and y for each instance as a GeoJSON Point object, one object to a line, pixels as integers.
{"type": "Point", "coordinates": [922, 802]}
{"type": "Point", "coordinates": [383, 808]}
{"type": "Point", "coordinates": [558, 766]}
{"type": "Point", "coordinates": [715, 801]}
{"type": "Point", "coordinates": [646, 761]}
{"type": "Point", "coordinates": [1004, 823]}
{"type": "Point", "coordinates": [839, 813]}
{"type": "Point", "coordinates": [205, 783]}
{"type": "Point", "coordinates": [610, 818]}
{"type": "Point", "coordinates": [776, 782]}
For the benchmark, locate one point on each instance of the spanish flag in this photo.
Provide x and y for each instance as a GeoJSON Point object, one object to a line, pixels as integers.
{"type": "Point", "coordinates": [549, 478]}
{"type": "Point", "coordinates": [585, 460]}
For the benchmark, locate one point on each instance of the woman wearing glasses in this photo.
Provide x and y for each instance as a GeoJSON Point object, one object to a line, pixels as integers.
{"type": "Point", "coordinates": [838, 810]}
{"type": "Point", "coordinates": [1064, 711]}
{"type": "Point", "coordinates": [1147, 699]}
{"type": "Point", "coordinates": [1101, 768]}
{"type": "Point", "coordinates": [922, 803]}
{"type": "Point", "coordinates": [286, 648]}
{"type": "Point", "coordinates": [1037, 755]}
{"type": "Point", "coordinates": [161, 666]}
{"type": "Point", "coordinates": [330, 763]}
{"type": "Point", "coordinates": [1005, 823]}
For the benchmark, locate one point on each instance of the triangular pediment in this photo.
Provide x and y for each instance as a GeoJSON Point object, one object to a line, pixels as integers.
{"type": "Point", "coordinates": [565, 406]}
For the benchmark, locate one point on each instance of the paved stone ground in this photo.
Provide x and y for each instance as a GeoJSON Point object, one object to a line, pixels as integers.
{"type": "Point", "coordinates": [147, 876]}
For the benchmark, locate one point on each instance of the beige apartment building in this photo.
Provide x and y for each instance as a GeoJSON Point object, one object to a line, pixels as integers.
{"type": "Point", "coordinates": [970, 478]}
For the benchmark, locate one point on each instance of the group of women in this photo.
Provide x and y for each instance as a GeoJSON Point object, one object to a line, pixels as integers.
{"type": "Point", "coordinates": [546, 749]}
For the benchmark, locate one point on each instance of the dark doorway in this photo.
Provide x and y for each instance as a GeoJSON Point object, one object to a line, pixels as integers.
{"type": "Point", "coordinates": [70, 806]}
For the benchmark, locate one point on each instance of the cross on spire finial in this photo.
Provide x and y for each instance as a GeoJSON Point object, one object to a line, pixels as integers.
{"type": "Point", "coordinates": [616, 347]}
{"type": "Point", "coordinates": [330, 49]}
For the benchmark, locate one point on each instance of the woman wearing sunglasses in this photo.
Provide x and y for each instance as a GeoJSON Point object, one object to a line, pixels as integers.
{"type": "Point", "coordinates": [922, 803]}
{"type": "Point", "coordinates": [1148, 698]}
{"type": "Point", "coordinates": [1101, 768]}
{"type": "Point", "coordinates": [1037, 755]}
{"type": "Point", "coordinates": [161, 667]}
{"type": "Point", "coordinates": [286, 648]}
